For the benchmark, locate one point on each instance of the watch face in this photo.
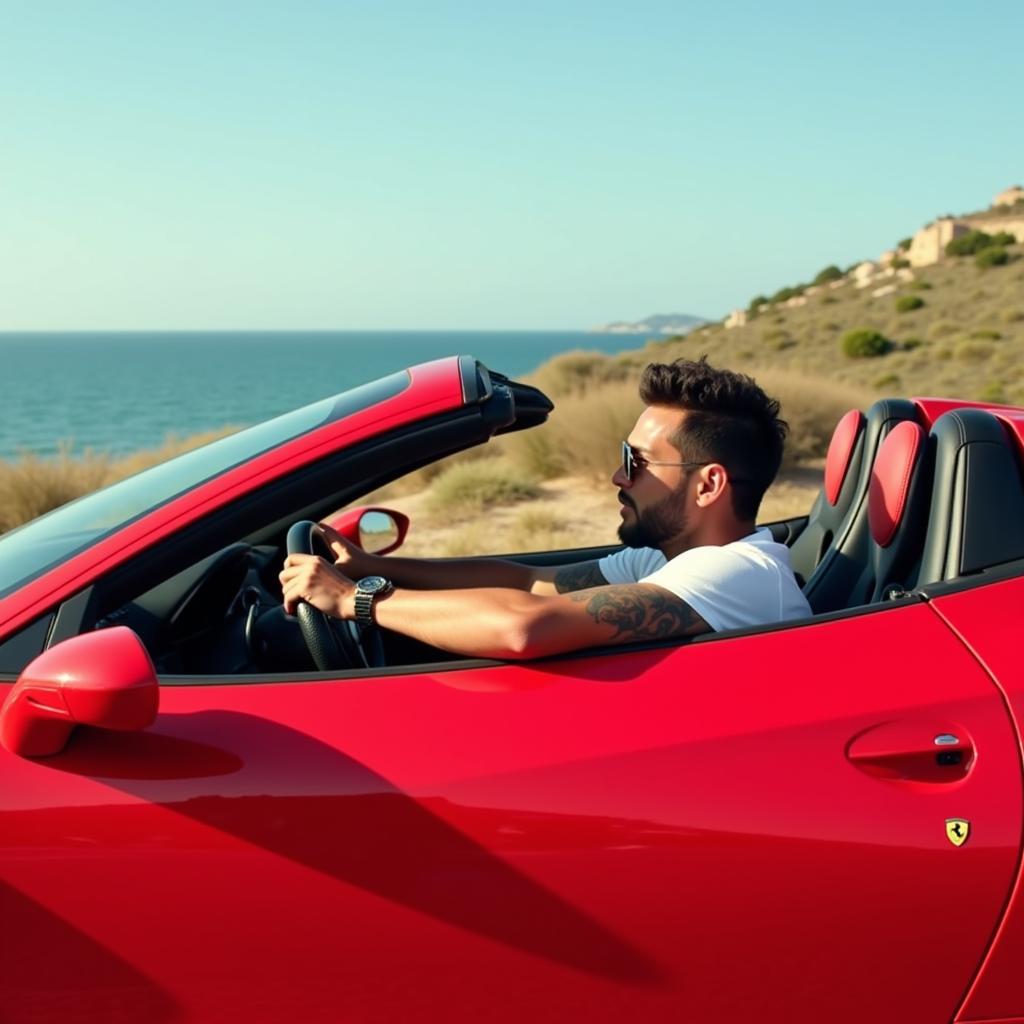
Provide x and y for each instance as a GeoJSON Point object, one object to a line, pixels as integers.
{"type": "Point", "coordinates": [373, 584]}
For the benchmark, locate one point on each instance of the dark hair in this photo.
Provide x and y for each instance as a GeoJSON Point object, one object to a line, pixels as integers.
{"type": "Point", "coordinates": [730, 420]}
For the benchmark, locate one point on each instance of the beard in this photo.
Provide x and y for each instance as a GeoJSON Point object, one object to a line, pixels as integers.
{"type": "Point", "coordinates": [656, 525]}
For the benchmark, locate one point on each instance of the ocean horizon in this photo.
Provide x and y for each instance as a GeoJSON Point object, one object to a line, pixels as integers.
{"type": "Point", "coordinates": [123, 391]}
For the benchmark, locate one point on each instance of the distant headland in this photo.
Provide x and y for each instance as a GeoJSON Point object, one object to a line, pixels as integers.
{"type": "Point", "coordinates": [660, 323]}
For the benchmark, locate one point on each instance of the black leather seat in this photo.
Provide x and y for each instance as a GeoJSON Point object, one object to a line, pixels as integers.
{"type": "Point", "coordinates": [838, 546]}
{"type": "Point", "coordinates": [976, 518]}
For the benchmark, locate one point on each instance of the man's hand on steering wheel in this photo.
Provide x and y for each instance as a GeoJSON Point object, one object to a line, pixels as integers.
{"type": "Point", "coordinates": [314, 580]}
{"type": "Point", "coordinates": [322, 597]}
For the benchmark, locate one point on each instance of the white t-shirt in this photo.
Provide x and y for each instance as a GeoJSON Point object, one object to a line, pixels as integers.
{"type": "Point", "coordinates": [746, 583]}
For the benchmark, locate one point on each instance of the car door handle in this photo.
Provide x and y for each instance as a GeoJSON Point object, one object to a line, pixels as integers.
{"type": "Point", "coordinates": [919, 751]}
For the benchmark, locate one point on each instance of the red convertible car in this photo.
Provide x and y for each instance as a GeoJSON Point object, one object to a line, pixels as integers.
{"type": "Point", "coordinates": [819, 821]}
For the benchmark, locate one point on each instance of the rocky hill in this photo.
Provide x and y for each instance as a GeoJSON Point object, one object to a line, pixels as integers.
{"type": "Point", "coordinates": [955, 328]}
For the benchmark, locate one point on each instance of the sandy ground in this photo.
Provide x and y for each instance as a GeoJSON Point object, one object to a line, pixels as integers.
{"type": "Point", "coordinates": [571, 512]}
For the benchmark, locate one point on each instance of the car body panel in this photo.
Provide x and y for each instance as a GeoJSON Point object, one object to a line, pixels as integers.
{"type": "Point", "coordinates": [673, 833]}
{"type": "Point", "coordinates": [988, 618]}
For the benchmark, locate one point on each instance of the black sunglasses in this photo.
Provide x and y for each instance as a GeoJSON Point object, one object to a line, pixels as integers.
{"type": "Point", "coordinates": [632, 460]}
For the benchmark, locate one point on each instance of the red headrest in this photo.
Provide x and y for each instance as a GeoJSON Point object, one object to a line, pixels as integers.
{"type": "Point", "coordinates": [840, 451]}
{"type": "Point", "coordinates": [890, 480]}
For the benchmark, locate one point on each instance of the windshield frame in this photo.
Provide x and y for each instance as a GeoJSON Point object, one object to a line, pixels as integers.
{"type": "Point", "coordinates": [33, 549]}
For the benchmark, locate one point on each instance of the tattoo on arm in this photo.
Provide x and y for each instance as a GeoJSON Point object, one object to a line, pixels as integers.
{"type": "Point", "coordinates": [579, 576]}
{"type": "Point", "coordinates": [641, 611]}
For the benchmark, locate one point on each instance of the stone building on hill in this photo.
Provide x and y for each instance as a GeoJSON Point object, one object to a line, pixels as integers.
{"type": "Point", "coordinates": [1009, 196]}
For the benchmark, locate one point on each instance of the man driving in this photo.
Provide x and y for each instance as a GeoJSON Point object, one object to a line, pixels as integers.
{"type": "Point", "coordinates": [693, 472]}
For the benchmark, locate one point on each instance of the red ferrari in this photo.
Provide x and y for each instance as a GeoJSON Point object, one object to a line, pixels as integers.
{"type": "Point", "coordinates": [813, 822]}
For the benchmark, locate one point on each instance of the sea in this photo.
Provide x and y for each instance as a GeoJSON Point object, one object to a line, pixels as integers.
{"type": "Point", "coordinates": [123, 392]}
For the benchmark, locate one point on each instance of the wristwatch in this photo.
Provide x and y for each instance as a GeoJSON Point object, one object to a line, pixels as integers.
{"type": "Point", "coordinates": [367, 589]}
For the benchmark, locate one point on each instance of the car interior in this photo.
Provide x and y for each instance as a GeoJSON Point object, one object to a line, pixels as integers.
{"type": "Point", "coordinates": [903, 507]}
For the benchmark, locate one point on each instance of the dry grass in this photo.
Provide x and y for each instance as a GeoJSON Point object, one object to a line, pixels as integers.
{"type": "Point", "coordinates": [470, 487]}
{"type": "Point", "coordinates": [31, 486]}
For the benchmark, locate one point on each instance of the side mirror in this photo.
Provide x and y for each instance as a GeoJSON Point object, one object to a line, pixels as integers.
{"type": "Point", "coordinates": [105, 679]}
{"type": "Point", "coordinates": [377, 531]}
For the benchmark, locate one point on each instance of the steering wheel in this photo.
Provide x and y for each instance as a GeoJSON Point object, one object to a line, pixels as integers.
{"type": "Point", "coordinates": [333, 643]}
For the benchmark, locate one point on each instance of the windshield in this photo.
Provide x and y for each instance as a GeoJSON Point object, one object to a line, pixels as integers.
{"type": "Point", "coordinates": [37, 546]}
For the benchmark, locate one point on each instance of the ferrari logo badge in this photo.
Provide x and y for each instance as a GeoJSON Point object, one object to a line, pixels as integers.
{"type": "Point", "coordinates": [957, 831]}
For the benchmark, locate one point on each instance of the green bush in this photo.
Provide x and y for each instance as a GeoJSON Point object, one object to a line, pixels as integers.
{"type": "Point", "coordinates": [921, 286]}
{"type": "Point", "coordinates": [973, 351]}
{"type": "Point", "coordinates": [1004, 238]}
{"type": "Point", "coordinates": [830, 273]}
{"type": "Point", "coordinates": [904, 244]}
{"type": "Point", "coordinates": [888, 380]}
{"type": "Point", "coordinates": [942, 329]}
{"type": "Point", "coordinates": [969, 244]}
{"type": "Point", "coordinates": [993, 392]}
{"type": "Point", "coordinates": [471, 486]}
{"type": "Point", "coordinates": [899, 263]}
{"type": "Point", "coordinates": [985, 334]}
{"type": "Point", "coordinates": [756, 303]}
{"type": "Point", "coordinates": [991, 256]}
{"type": "Point", "coordinates": [787, 293]}
{"type": "Point", "coordinates": [908, 303]}
{"type": "Point", "coordinates": [909, 344]}
{"type": "Point", "coordinates": [865, 344]}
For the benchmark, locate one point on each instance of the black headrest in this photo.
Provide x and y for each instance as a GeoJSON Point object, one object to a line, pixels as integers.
{"type": "Point", "coordinates": [977, 510]}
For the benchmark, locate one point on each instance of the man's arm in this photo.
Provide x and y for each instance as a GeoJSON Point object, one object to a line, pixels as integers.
{"type": "Point", "coordinates": [500, 623]}
{"type": "Point", "coordinates": [462, 573]}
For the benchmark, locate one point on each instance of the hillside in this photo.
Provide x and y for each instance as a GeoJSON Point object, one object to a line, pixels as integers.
{"type": "Point", "coordinates": [966, 339]}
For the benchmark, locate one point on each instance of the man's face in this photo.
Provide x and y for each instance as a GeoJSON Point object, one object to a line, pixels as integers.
{"type": "Point", "coordinates": [654, 503]}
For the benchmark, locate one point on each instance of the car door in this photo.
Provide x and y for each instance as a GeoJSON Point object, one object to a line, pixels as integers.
{"type": "Point", "coordinates": [745, 827]}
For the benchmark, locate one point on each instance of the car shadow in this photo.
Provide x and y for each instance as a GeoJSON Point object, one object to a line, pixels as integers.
{"type": "Point", "coordinates": [49, 970]}
{"type": "Point", "coordinates": [300, 798]}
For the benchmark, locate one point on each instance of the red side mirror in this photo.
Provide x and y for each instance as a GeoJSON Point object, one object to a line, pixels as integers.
{"type": "Point", "coordinates": [376, 530]}
{"type": "Point", "coordinates": [104, 679]}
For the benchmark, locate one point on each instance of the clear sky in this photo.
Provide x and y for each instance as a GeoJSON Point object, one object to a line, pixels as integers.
{"type": "Point", "coordinates": [412, 164]}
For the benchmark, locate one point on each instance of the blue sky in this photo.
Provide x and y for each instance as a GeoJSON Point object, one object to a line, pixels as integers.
{"type": "Point", "coordinates": [478, 165]}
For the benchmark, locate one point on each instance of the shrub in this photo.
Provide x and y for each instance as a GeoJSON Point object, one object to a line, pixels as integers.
{"type": "Point", "coordinates": [921, 286]}
{"type": "Point", "coordinates": [973, 351]}
{"type": "Point", "coordinates": [582, 436]}
{"type": "Point", "coordinates": [991, 256]}
{"type": "Point", "coordinates": [890, 381]}
{"type": "Point", "coordinates": [1003, 238]}
{"type": "Point", "coordinates": [985, 334]}
{"type": "Point", "coordinates": [904, 244]}
{"type": "Point", "coordinates": [908, 303]}
{"type": "Point", "coordinates": [993, 392]}
{"type": "Point", "coordinates": [787, 293]}
{"type": "Point", "coordinates": [812, 406]}
{"type": "Point", "coordinates": [899, 263]}
{"type": "Point", "coordinates": [942, 329]}
{"type": "Point", "coordinates": [756, 303]}
{"type": "Point", "coordinates": [969, 244]}
{"type": "Point", "coordinates": [472, 486]}
{"type": "Point", "coordinates": [865, 344]}
{"type": "Point", "coordinates": [830, 273]}
{"type": "Point", "coordinates": [576, 372]}
{"type": "Point", "coordinates": [910, 344]}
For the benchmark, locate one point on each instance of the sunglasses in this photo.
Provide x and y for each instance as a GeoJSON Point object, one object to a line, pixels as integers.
{"type": "Point", "coordinates": [632, 460]}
